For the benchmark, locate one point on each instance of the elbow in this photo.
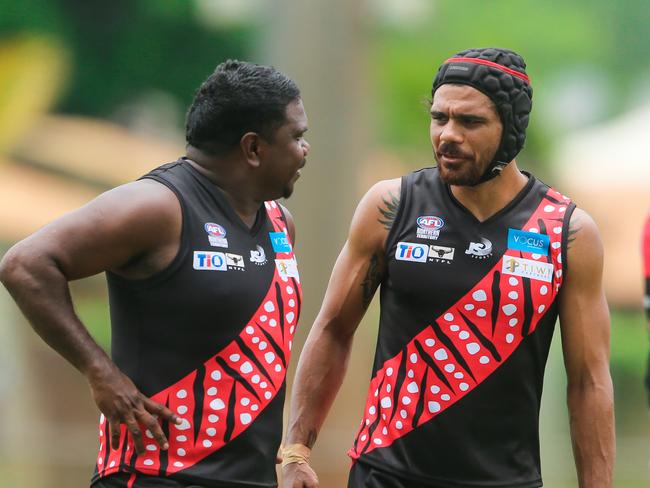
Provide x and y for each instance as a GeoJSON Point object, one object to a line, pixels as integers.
{"type": "Point", "coordinates": [593, 389]}
{"type": "Point", "coordinates": [14, 267]}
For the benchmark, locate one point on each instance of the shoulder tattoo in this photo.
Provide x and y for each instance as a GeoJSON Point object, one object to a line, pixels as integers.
{"type": "Point", "coordinates": [388, 209]}
{"type": "Point", "coordinates": [372, 280]}
{"type": "Point", "coordinates": [574, 228]}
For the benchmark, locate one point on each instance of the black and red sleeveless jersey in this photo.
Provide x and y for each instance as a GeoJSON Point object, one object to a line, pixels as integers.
{"type": "Point", "coordinates": [209, 337]}
{"type": "Point", "coordinates": [467, 314]}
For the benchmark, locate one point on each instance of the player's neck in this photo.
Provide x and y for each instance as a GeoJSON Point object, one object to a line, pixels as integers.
{"type": "Point", "coordinates": [229, 178]}
{"type": "Point", "coordinates": [488, 198]}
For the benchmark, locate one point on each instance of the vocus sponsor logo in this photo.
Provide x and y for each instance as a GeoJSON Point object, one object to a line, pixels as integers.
{"type": "Point", "coordinates": [280, 242]}
{"type": "Point", "coordinates": [521, 240]}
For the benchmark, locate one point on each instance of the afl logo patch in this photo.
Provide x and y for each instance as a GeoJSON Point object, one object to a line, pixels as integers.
{"type": "Point", "coordinates": [429, 227]}
{"type": "Point", "coordinates": [429, 222]}
{"type": "Point", "coordinates": [215, 230]}
{"type": "Point", "coordinates": [216, 234]}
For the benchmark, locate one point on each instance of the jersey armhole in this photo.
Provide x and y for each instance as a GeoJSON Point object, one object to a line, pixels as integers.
{"type": "Point", "coordinates": [405, 182]}
{"type": "Point", "coordinates": [176, 261]}
{"type": "Point", "coordinates": [565, 237]}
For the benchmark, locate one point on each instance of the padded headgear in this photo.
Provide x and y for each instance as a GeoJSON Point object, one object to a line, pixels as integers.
{"type": "Point", "coordinates": [501, 75]}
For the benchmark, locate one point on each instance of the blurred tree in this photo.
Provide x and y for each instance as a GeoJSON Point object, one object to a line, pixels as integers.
{"type": "Point", "coordinates": [122, 49]}
{"type": "Point", "coordinates": [554, 36]}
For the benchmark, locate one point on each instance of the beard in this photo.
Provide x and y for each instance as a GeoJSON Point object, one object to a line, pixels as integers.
{"type": "Point", "coordinates": [467, 173]}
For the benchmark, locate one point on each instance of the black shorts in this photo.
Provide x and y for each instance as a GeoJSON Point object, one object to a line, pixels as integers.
{"type": "Point", "coordinates": [126, 480]}
{"type": "Point", "coordinates": [364, 476]}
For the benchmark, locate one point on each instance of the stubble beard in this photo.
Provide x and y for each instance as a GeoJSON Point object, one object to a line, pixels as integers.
{"type": "Point", "coordinates": [468, 174]}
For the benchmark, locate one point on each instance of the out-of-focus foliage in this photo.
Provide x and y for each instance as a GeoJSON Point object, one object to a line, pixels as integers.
{"type": "Point", "coordinates": [150, 46]}
{"type": "Point", "coordinates": [555, 37]}
{"type": "Point", "coordinates": [32, 70]}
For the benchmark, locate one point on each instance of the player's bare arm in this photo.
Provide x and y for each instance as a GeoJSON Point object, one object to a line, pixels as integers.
{"type": "Point", "coordinates": [357, 273]}
{"type": "Point", "coordinates": [585, 326]}
{"type": "Point", "coordinates": [133, 231]}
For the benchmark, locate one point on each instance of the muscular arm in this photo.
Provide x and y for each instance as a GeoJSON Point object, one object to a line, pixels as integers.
{"type": "Point", "coordinates": [585, 326]}
{"type": "Point", "coordinates": [122, 230]}
{"type": "Point", "coordinates": [356, 275]}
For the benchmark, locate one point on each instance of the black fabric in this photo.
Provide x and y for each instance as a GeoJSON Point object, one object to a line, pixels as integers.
{"type": "Point", "coordinates": [489, 438]}
{"type": "Point", "coordinates": [121, 480]}
{"type": "Point", "coordinates": [167, 326]}
{"type": "Point", "coordinates": [365, 476]}
{"type": "Point", "coordinates": [511, 95]}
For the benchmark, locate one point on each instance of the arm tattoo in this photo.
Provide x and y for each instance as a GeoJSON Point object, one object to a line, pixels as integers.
{"type": "Point", "coordinates": [371, 281]}
{"type": "Point", "coordinates": [389, 210]}
{"type": "Point", "coordinates": [574, 228]}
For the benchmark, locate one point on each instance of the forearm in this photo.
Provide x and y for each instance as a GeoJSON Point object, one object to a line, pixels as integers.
{"type": "Point", "coordinates": [41, 291]}
{"type": "Point", "coordinates": [591, 410]}
{"type": "Point", "coordinates": [320, 372]}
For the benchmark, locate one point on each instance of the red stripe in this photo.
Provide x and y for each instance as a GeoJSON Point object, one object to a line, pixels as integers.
{"type": "Point", "coordinates": [485, 62]}
{"type": "Point", "coordinates": [131, 481]}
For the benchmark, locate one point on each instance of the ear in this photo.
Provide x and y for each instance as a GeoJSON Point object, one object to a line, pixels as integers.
{"type": "Point", "coordinates": [250, 146]}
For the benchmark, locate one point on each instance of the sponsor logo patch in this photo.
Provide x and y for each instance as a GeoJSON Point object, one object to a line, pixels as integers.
{"type": "Point", "coordinates": [258, 256]}
{"type": "Point", "coordinates": [235, 261]}
{"type": "Point", "coordinates": [429, 227]}
{"type": "Point", "coordinates": [411, 251]}
{"type": "Point", "coordinates": [480, 250]}
{"type": "Point", "coordinates": [527, 268]}
{"type": "Point", "coordinates": [280, 242]}
{"type": "Point", "coordinates": [521, 240]}
{"type": "Point", "coordinates": [441, 254]}
{"type": "Point", "coordinates": [209, 261]}
{"type": "Point", "coordinates": [216, 234]}
{"type": "Point", "coordinates": [287, 268]}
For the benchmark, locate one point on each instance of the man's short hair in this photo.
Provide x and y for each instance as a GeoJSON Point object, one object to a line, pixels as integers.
{"type": "Point", "coordinates": [239, 97]}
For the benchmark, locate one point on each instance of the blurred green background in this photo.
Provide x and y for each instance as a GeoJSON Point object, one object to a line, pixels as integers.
{"type": "Point", "coordinates": [93, 94]}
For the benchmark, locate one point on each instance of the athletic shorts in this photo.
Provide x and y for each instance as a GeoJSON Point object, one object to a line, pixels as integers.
{"type": "Point", "coordinates": [126, 480]}
{"type": "Point", "coordinates": [364, 476]}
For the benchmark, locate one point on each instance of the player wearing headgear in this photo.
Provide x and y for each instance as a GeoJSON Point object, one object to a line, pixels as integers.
{"type": "Point", "coordinates": [475, 260]}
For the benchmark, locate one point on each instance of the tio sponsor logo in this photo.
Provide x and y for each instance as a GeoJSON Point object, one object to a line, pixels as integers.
{"type": "Point", "coordinates": [521, 240]}
{"type": "Point", "coordinates": [527, 268]}
{"type": "Point", "coordinates": [209, 261]}
{"type": "Point", "coordinates": [411, 251]}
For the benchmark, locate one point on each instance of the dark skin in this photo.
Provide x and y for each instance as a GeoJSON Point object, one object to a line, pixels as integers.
{"type": "Point", "coordinates": [465, 132]}
{"type": "Point", "coordinates": [134, 231]}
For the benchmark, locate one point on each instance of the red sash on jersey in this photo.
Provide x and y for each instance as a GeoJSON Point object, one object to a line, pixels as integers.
{"type": "Point", "coordinates": [463, 346]}
{"type": "Point", "coordinates": [240, 381]}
